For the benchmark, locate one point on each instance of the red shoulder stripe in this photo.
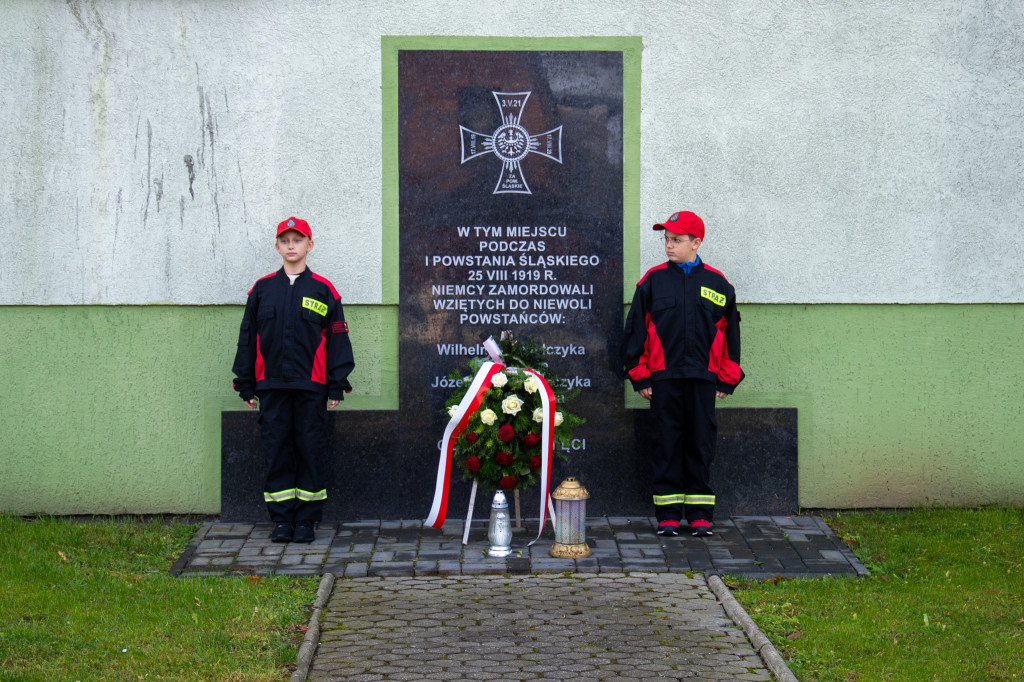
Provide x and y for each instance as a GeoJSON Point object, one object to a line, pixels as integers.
{"type": "Point", "coordinates": [260, 280]}
{"type": "Point", "coordinates": [717, 272]}
{"type": "Point", "coordinates": [646, 274]}
{"type": "Point", "coordinates": [324, 280]}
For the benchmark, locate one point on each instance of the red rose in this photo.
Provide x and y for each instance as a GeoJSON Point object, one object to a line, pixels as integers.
{"type": "Point", "coordinates": [535, 463]}
{"type": "Point", "coordinates": [504, 458]}
{"type": "Point", "coordinates": [473, 463]}
{"type": "Point", "coordinates": [471, 437]}
{"type": "Point", "coordinates": [507, 482]}
{"type": "Point", "coordinates": [531, 439]}
{"type": "Point", "coordinates": [506, 433]}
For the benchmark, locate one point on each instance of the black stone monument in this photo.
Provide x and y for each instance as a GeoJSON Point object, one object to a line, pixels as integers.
{"type": "Point", "coordinates": [510, 215]}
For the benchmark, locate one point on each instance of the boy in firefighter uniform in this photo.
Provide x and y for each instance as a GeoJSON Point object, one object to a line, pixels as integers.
{"type": "Point", "coordinates": [293, 360]}
{"type": "Point", "coordinates": [681, 350]}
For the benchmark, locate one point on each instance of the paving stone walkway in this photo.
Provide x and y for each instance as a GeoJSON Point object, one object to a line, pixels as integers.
{"type": "Point", "coordinates": [758, 547]}
{"type": "Point", "coordinates": [414, 603]}
{"type": "Point", "coordinates": [640, 626]}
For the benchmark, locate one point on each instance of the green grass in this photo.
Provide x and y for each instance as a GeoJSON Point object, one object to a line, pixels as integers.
{"type": "Point", "coordinates": [93, 601]}
{"type": "Point", "coordinates": [944, 601]}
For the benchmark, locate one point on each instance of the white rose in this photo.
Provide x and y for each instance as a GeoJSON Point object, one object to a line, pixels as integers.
{"type": "Point", "coordinates": [511, 405]}
{"type": "Point", "coordinates": [531, 384]}
{"type": "Point", "coordinates": [452, 410]}
{"type": "Point", "coordinates": [499, 380]}
{"type": "Point", "coordinates": [558, 418]}
{"type": "Point", "coordinates": [488, 417]}
{"type": "Point", "coordinates": [538, 415]}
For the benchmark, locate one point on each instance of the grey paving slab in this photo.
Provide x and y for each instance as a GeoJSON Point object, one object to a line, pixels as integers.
{"type": "Point", "coordinates": [564, 626]}
{"type": "Point", "coordinates": [742, 546]}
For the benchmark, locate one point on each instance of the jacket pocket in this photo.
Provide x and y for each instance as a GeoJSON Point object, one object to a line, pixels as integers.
{"type": "Point", "coordinates": [714, 312]}
{"type": "Point", "coordinates": [265, 322]}
{"type": "Point", "coordinates": [244, 333]}
{"type": "Point", "coordinates": [662, 304]}
{"type": "Point", "coordinates": [313, 317]}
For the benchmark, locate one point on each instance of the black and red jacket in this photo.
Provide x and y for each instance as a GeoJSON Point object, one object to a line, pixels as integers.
{"type": "Point", "coordinates": [293, 336]}
{"type": "Point", "coordinates": [683, 326]}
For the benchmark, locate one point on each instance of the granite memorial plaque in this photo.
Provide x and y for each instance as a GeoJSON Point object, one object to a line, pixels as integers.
{"type": "Point", "coordinates": [510, 218]}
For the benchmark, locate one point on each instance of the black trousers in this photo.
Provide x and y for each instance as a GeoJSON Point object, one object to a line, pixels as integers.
{"type": "Point", "coordinates": [684, 438]}
{"type": "Point", "coordinates": [294, 439]}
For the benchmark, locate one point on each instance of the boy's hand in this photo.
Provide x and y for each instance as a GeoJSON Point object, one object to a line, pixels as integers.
{"type": "Point", "coordinates": [646, 393]}
{"type": "Point", "coordinates": [720, 394]}
{"type": "Point", "coordinates": [331, 404]}
{"type": "Point", "coordinates": [252, 403]}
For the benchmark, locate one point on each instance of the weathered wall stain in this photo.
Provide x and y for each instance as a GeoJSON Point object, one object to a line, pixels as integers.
{"type": "Point", "coordinates": [814, 123]}
{"type": "Point", "coordinates": [190, 166]}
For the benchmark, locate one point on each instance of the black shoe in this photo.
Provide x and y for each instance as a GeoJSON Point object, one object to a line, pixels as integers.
{"type": "Point", "coordinates": [701, 528]}
{"type": "Point", "coordinates": [668, 528]}
{"type": "Point", "coordinates": [304, 532]}
{"type": "Point", "coordinates": [282, 533]}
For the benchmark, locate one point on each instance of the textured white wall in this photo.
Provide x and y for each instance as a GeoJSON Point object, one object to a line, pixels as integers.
{"type": "Point", "coordinates": [860, 151]}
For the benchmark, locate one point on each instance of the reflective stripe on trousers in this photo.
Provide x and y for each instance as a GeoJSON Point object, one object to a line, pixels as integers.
{"type": "Point", "coordinates": [295, 494]}
{"type": "Point", "coordinates": [683, 499]}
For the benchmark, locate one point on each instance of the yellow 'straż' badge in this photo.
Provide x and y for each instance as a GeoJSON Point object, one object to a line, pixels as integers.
{"type": "Point", "coordinates": [713, 296]}
{"type": "Point", "coordinates": [314, 305]}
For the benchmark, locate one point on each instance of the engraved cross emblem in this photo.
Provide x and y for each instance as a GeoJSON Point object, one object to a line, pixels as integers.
{"type": "Point", "coordinates": [511, 143]}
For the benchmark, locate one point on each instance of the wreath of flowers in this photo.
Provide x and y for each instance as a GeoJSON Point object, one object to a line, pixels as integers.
{"type": "Point", "coordinates": [500, 447]}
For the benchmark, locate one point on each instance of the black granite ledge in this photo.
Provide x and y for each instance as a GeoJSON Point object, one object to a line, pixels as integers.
{"type": "Point", "coordinates": [380, 472]}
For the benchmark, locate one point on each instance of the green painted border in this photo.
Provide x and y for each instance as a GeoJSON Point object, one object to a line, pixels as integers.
{"type": "Point", "coordinates": [116, 409]}
{"type": "Point", "coordinates": [631, 48]}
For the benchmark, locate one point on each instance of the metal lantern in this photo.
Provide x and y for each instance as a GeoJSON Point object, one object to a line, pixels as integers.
{"type": "Point", "coordinates": [499, 530]}
{"type": "Point", "coordinates": [570, 520]}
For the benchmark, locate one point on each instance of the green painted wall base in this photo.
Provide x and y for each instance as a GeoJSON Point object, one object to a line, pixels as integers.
{"type": "Point", "coordinates": [117, 409]}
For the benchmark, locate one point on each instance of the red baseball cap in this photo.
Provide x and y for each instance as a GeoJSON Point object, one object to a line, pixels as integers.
{"type": "Point", "coordinates": [684, 222]}
{"type": "Point", "coordinates": [297, 224]}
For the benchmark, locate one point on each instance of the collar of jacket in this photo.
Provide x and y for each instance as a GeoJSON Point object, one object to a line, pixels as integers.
{"type": "Point", "coordinates": [282, 273]}
{"type": "Point", "coordinates": [688, 267]}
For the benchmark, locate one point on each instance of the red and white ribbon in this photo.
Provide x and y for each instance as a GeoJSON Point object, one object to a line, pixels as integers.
{"type": "Point", "coordinates": [547, 443]}
{"type": "Point", "coordinates": [456, 425]}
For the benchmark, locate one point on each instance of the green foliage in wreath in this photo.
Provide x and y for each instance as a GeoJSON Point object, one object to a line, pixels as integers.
{"type": "Point", "coordinates": [501, 446]}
